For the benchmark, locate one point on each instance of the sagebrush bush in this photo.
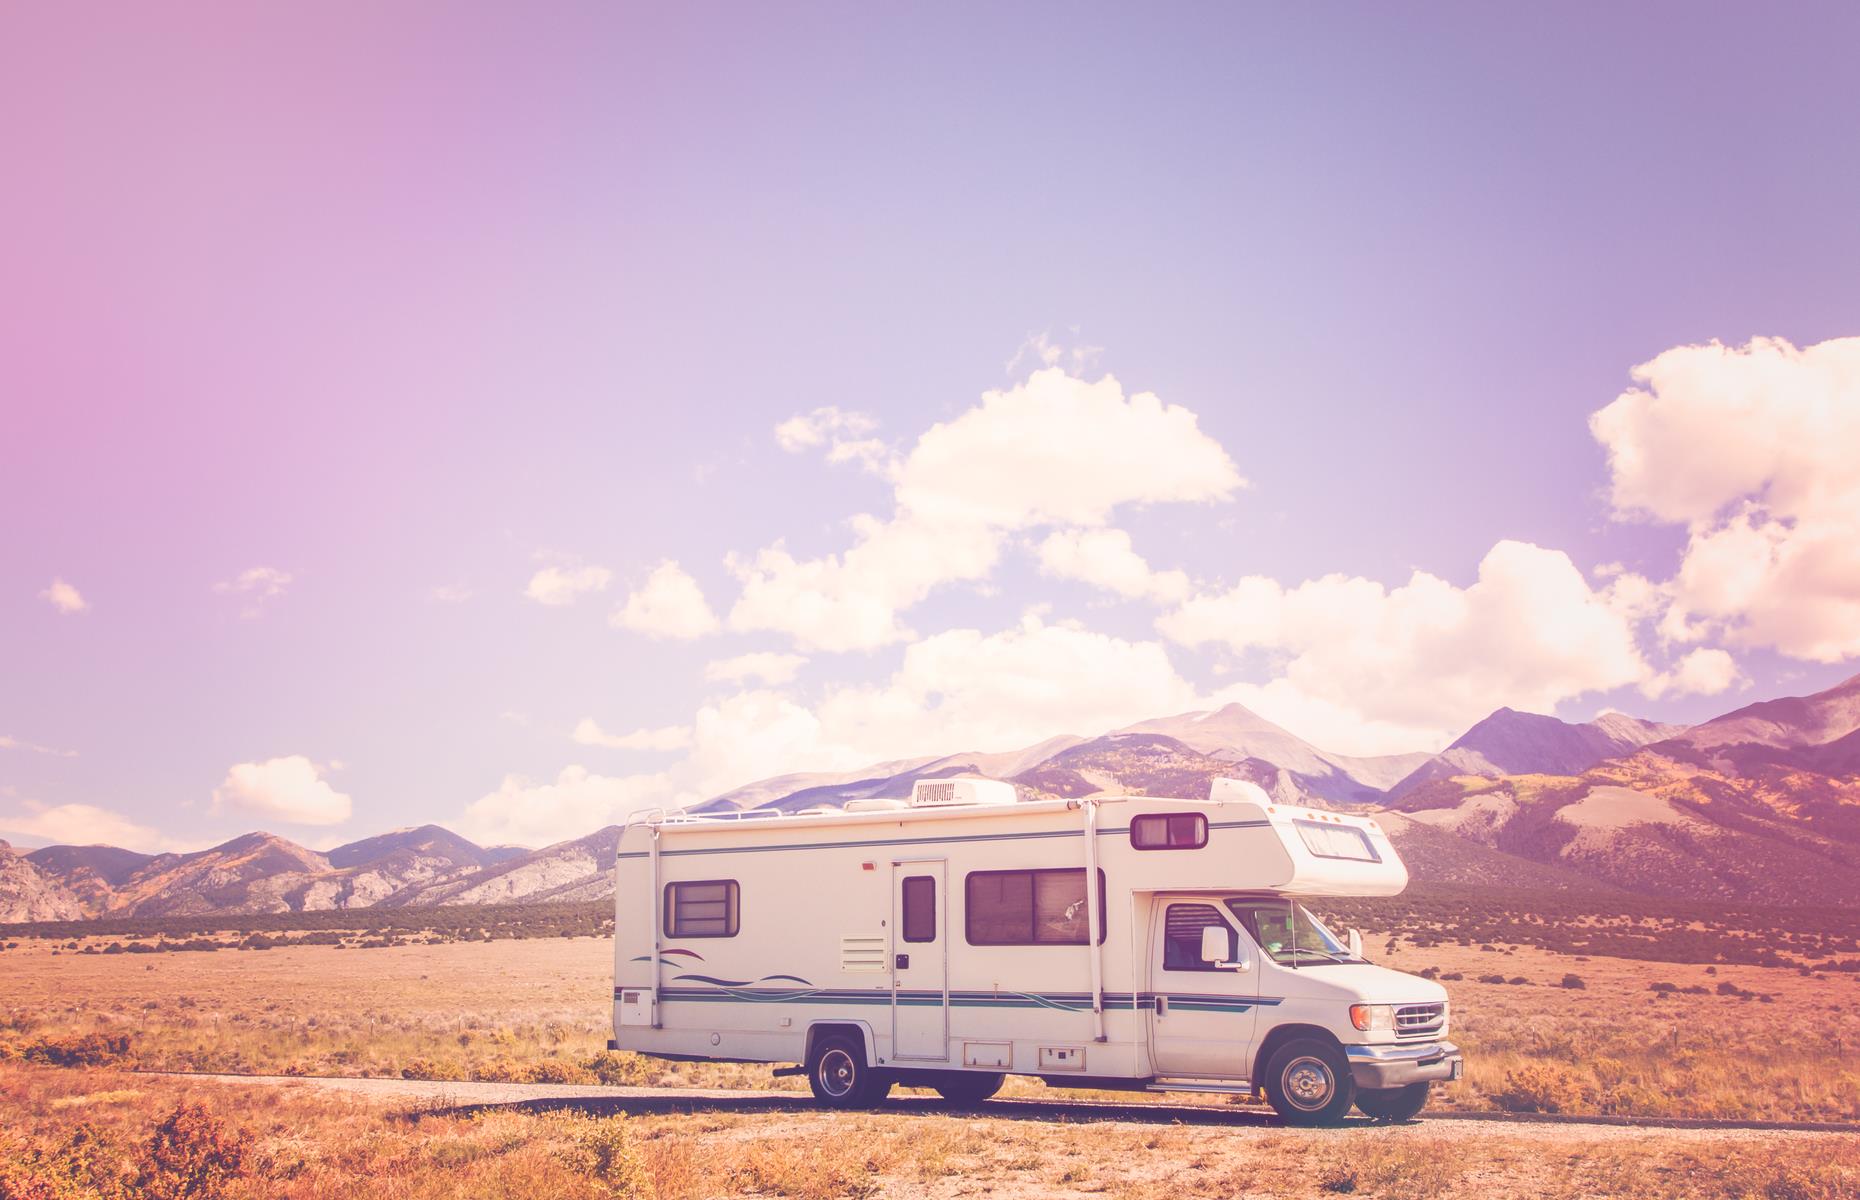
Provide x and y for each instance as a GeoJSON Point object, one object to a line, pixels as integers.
{"type": "Point", "coordinates": [1544, 1087]}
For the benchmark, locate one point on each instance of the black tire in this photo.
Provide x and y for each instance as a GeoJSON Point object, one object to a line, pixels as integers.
{"type": "Point", "coordinates": [969, 1087]}
{"type": "Point", "coordinates": [1392, 1104]}
{"type": "Point", "coordinates": [1309, 1083]}
{"type": "Point", "coordinates": [840, 1076]}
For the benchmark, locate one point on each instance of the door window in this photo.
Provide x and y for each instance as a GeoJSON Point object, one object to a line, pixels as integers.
{"type": "Point", "coordinates": [920, 908]}
{"type": "Point", "coordinates": [1182, 926]}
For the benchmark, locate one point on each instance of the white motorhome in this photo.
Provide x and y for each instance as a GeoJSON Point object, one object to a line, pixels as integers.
{"type": "Point", "coordinates": [948, 941]}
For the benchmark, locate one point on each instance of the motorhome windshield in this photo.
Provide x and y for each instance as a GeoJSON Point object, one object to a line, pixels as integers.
{"type": "Point", "coordinates": [1289, 933]}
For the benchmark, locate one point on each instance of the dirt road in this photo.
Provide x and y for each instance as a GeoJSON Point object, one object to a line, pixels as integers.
{"type": "Point", "coordinates": [445, 1096]}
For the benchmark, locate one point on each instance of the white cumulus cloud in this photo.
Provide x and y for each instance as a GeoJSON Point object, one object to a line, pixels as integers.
{"type": "Point", "coordinates": [764, 666]}
{"type": "Point", "coordinates": [1703, 672]}
{"type": "Point", "coordinates": [1752, 448]}
{"type": "Point", "coordinates": [81, 825]}
{"type": "Point", "coordinates": [1104, 558]}
{"type": "Point", "coordinates": [65, 598]}
{"type": "Point", "coordinates": [577, 802]}
{"type": "Point", "coordinates": [670, 604]}
{"type": "Point", "coordinates": [289, 789]}
{"type": "Point", "coordinates": [1369, 669]}
{"type": "Point", "coordinates": [1054, 449]}
{"type": "Point", "coordinates": [670, 737]}
{"type": "Point", "coordinates": [559, 586]}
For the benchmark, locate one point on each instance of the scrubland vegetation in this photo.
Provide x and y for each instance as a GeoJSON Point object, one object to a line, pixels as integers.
{"type": "Point", "coordinates": [1635, 1038]}
{"type": "Point", "coordinates": [96, 1135]}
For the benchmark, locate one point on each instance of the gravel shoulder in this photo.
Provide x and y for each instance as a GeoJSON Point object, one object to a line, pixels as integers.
{"type": "Point", "coordinates": [453, 1096]}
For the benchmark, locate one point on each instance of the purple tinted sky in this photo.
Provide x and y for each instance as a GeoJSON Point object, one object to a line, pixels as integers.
{"type": "Point", "coordinates": [395, 297]}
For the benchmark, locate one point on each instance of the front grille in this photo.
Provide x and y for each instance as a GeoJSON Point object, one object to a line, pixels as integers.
{"type": "Point", "coordinates": [1419, 1020]}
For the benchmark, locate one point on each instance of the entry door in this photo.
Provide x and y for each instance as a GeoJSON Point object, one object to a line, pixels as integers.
{"type": "Point", "coordinates": [1204, 1021]}
{"type": "Point", "coordinates": [919, 960]}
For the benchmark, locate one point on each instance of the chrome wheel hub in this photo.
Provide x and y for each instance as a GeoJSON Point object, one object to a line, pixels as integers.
{"type": "Point", "coordinates": [1309, 1083]}
{"type": "Point", "coordinates": [837, 1072]}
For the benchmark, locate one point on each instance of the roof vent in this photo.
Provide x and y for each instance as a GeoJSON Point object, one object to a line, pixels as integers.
{"type": "Point", "coordinates": [946, 793]}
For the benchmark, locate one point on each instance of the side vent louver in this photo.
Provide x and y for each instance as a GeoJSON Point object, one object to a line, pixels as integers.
{"type": "Point", "coordinates": [862, 954]}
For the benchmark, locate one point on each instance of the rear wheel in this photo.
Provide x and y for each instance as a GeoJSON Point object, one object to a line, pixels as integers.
{"type": "Point", "coordinates": [1393, 1104]}
{"type": "Point", "coordinates": [840, 1077]}
{"type": "Point", "coordinates": [969, 1087]}
{"type": "Point", "coordinates": [1309, 1083]}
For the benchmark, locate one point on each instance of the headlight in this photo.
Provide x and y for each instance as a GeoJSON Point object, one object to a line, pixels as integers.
{"type": "Point", "coordinates": [1367, 1017]}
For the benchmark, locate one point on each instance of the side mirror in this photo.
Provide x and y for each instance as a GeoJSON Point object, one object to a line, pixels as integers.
{"type": "Point", "coordinates": [1355, 941]}
{"type": "Point", "coordinates": [1216, 944]}
{"type": "Point", "coordinates": [1218, 950]}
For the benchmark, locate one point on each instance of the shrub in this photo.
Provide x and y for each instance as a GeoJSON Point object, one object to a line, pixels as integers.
{"type": "Point", "coordinates": [86, 1050]}
{"type": "Point", "coordinates": [193, 1156]}
{"type": "Point", "coordinates": [1541, 1087]}
{"type": "Point", "coordinates": [1574, 982]}
{"type": "Point", "coordinates": [1491, 979]}
{"type": "Point", "coordinates": [605, 1151]}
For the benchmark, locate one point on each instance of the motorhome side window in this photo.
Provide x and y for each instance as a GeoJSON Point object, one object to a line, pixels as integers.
{"type": "Point", "coordinates": [920, 908]}
{"type": "Point", "coordinates": [1030, 908]}
{"type": "Point", "coordinates": [1169, 831]}
{"type": "Point", "coordinates": [1182, 926]}
{"type": "Point", "coordinates": [704, 909]}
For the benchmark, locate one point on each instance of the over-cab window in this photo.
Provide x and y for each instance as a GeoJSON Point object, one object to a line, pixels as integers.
{"type": "Point", "coordinates": [1169, 831]}
{"type": "Point", "coordinates": [705, 909]}
{"type": "Point", "coordinates": [1337, 841]}
{"type": "Point", "coordinates": [1030, 908]}
{"type": "Point", "coordinates": [919, 908]}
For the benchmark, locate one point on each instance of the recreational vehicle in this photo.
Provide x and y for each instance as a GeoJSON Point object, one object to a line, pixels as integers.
{"type": "Point", "coordinates": [958, 936]}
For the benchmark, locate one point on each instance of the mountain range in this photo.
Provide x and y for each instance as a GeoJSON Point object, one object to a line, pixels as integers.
{"type": "Point", "coordinates": [1758, 805]}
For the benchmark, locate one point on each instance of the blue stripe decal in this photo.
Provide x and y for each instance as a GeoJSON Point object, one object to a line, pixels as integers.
{"type": "Point", "coordinates": [923, 841]}
{"type": "Point", "coordinates": [1060, 1001]}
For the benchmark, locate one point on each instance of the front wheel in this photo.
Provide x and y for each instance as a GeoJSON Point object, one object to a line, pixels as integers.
{"type": "Point", "coordinates": [969, 1087]}
{"type": "Point", "coordinates": [1392, 1104]}
{"type": "Point", "coordinates": [840, 1077]}
{"type": "Point", "coordinates": [1309, 1083]}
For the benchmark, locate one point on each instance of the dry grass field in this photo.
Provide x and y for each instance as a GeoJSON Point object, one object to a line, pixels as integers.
{"type": "Point", "coordinates": [1721, 1041]}
{"type": "Point", "coordinates": [103, 1135]}
{"type": "Point", "coordinates": [1728, 1041]}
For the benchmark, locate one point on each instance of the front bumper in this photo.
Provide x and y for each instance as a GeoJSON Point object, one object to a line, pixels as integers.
{"type": "Point", "coordinates": [1398, 1066]}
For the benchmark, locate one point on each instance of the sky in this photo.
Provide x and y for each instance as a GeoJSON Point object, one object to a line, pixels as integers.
{"type": "Point", "coordinates": [510, 418]}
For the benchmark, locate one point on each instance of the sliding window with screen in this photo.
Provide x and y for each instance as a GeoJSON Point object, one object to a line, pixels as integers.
{"type": "Point", "coordinates": [704, 909]}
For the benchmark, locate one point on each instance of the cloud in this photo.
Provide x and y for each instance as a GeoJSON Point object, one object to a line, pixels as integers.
{"type": "Point", "coordinates": [668, 605]}
{"type": "Point", "coordinates": [263, 583]}
{"type": "Point", "coordinates": [671, 737]}
{"type": "Point", "coordinates": [821, 426]}
{"type": "Point", "coordinates": [1052, 450]}
{"type": "Point", "coordinates": [528, 813]}
{"type": "Point", "coordinates": [962, 689]}
{"type": "Point", "coordinates": [1753, 449]}
{"type": "Point", "coordinates": [848, 602]}
{"type": "Point", "coordinates": [1104, 558]}
{"type": "Point", "coordinates": [80, 825]}
{"type": "Point", "coordinates": [13, 743]}
{"type": "Point", "coordinates": [65, 598]}
{"type": "Point", "coordinates": [1058, 450]}
{"type": "Point", "coordinates": [763, 666]}
{"type": "Point", "coordinates": [454, 593]}
{"type": "Point", "coordinates": [288, 789]}
{"type": "Point", "coordinates": [1369, 669]}
{"type": "Point", "coordinates": [1704, 672]}
{"type": "Point", "coordinates": [562, 586]}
